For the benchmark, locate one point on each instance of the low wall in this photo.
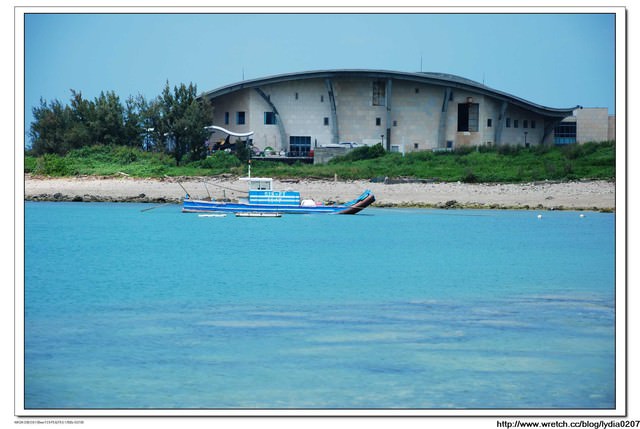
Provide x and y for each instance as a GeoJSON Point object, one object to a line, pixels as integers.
{"type": "Point", "coordinates": [322, 155]}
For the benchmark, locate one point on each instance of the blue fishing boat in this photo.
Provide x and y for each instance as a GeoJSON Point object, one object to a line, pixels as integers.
{"type": "Point", "coordinates": [263, 199]}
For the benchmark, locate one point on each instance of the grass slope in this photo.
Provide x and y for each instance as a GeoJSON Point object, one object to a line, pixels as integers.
{"type": "Point", "coordinates": [482, 164]}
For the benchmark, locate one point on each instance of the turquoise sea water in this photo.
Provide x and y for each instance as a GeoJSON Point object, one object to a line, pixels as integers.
{"type": "Point", "coordinates": [388, 309]}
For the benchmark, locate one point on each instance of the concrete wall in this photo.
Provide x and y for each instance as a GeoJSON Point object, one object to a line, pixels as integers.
{"type": "Point", "coordinates": [232, 103]}
{"type": "Point", "coordinates": [302, 106]}
{"type": "Point", "coordinates": [356, 112]}
{"type": "Point", "coordinates": [611, 134]}
{"type": "Point", "coordinates": [413, 119]}
{"type": "Point", "coordinates": [516, 135]}
{"type": "Point", "coordinates": [415, 115]}
{"type": "Point", "coordinates": [322, 155]}
{"type": "Point", "coordinates": [593, 124]}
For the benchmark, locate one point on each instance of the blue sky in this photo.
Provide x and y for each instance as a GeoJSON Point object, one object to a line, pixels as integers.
{"type": "Point", "coordinates": [557, 60]}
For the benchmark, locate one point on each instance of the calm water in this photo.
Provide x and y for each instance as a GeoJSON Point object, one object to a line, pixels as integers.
{"type": "Point", "coordinates": [385, 309]}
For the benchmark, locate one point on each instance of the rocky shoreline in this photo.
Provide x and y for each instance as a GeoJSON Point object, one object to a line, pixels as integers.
{"type": "Point", "coordinates": [87, 198]}
{"type": "Point", "coordinates": [582, 195]}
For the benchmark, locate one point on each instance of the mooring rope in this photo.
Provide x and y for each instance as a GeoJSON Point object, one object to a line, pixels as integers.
{"type": "Point", "coordinates": [226, 187]}
{"type": "Point", "coordinates": [209, 183]}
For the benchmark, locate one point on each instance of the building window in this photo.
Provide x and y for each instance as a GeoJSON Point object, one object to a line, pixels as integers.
{"type": "Point", "coordinates": [269, 118]}
{"type": "Point", "coordinates": [226, 118]}
{"type": "Point", "coordinates": [489, 122]}
{"type": "Point", "coordinates": [296, 95]}
{"type": "Point", "coordinates": [533, 123]}
{"type": "Point", "coordinates": [240, 120]}
{"type": "Point", "coordinates": [515, 123]}
{"type": "Point", "coordinates": [299, 145]}
{"type": "Point", "coordinates": [322, 98]}
{"type": "Point", "coordinates": [565, 133]}
{"type": "Point", "coordinates": [395, 123]}
{"type": "Point", "coordinates": [378, 121]}
{"type": "Point", "coordinates": [525, 123]}
{"type": "Point", "coordinates": [508, 123]}
{"type": "Point", "coordinates": [417, 90]}
{"type": "Point", "coordinates": [415, 145]}
{"type": "Point", "coordinates": [326, 120]}
{"type": "Point", "coordinates": [379, 93]}
{"type": "Point", "coordinates": [468, 117]}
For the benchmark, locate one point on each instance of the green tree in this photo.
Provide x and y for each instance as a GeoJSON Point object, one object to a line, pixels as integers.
{"type": "Point", "coordinates": [133, 127]}
{"type": "Point", "coordinates": [47, 131]}
{"type": "Point", "coordinates": [243, 151]}
{"type": "Point", "coordinates": [174, 122]}
{"type": "Point", "coordinates": [183, 118]}
{"type": "Point", "coordinates": [82, 116]}
{"type": "Point", "coordinates": [151, 123]}
{"type": "Point", "coordinates": [108, 127]}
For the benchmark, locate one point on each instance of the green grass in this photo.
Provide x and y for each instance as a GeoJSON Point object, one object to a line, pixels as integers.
{"type": "Point", "coordinates": [482, 164]}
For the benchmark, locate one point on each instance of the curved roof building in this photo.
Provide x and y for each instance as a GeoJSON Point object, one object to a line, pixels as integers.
{"type": "Point", "coordinates": [297, 112]}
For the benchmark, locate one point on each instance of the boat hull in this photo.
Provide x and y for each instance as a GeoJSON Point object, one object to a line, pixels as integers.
{"type": "Point", "coordinates": [203, 206]}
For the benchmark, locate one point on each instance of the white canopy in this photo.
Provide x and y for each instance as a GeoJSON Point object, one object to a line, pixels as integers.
{"type": "Point", "coordinates": [231, 133]}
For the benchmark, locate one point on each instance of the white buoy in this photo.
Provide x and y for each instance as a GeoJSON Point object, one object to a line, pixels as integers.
{"type": "Point", "coordinates": [539, 216]}
{"type": "Point", "coordinates": [581, 215]}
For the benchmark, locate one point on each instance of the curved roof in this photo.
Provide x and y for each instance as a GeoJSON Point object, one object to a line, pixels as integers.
{"type": "Point", "coordinates": [440, 79]}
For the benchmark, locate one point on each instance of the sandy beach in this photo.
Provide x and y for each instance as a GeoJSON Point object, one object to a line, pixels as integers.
{"type": "Point", "coordinates": [585, 195]}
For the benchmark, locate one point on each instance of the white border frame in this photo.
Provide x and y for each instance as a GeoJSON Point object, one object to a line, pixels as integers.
{"type": "Point", "coordinates": [621, 213]}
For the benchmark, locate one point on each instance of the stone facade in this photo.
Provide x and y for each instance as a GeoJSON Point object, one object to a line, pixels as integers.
{"type": "Point", "coordinates": [592, 124]}
{"type": "Point", "coordinates": [404, 111]}
{"type": "Point", "coordinates": [611, 133]}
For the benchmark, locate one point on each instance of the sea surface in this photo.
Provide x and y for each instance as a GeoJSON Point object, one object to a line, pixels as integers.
{"type": "Point", "coordinates": [387, 309]}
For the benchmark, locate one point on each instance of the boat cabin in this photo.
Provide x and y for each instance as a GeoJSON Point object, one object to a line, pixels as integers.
{"type": "Point", "coordinates": [261, 192]}
{"type": "Point", "coordinates": [259, 183]}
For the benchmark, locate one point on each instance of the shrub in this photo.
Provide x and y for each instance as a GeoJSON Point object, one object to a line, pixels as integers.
{"type": "Point", "coordinates": [220, 160]}
{"type": "Point", "coordinates": [508, 149]}
{"type": "Point", "coordinates": [125, 155]}
{"type": "Point", "coordinates": [568, 168]}
{"type": "Point", "coordinates": [571, 151]}
{"type": "Point", "coordinates": [97, 153]}
{"type": "Point", "coordinates": [361, 153]}
{"type": "Point", "coordinates": [497, 164]}
{"type": "Point", "coordinates": [469, 176]}
{"type": "Point", "coordinates": [550, 169]}
{"type": "Point", "coordinates": [30, 164]}
{"type": "Point", "coordinates": [486, 148]}
{"type": "Point", "coordinates": [541, 149]}
{"type": "Point", "coordinates": [54, 165]}
{"type": "Point", "coordinates": [425, 155]}
{"type": "Point", "coordinates": [464, 150]}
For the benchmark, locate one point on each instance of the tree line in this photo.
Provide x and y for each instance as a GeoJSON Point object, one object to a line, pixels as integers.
{"type": "Point", "coordinates": [174, 122]}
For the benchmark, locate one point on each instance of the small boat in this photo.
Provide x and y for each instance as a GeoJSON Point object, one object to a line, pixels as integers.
{"type": "Point", "coordinates": [213, 215]}
{"type": "Point", "coordinates": [263, 199]}
{"type": "Point", "coordinates": [258, 214]}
